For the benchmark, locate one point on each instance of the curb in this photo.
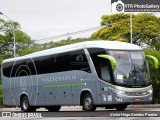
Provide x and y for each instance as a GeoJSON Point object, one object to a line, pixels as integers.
{"type": "Point", "coordinates": [145, 106]}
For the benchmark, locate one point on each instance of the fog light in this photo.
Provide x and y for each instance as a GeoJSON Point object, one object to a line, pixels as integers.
{"type": "Point", "coordinates": [150, 98]}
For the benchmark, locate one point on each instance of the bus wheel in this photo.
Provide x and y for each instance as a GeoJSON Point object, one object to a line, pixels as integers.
{"type": "Point", "coordinates": [53, 108]}
{"type": "Point", "coordinates": [88, 104]}
{"type": "Point", "coordinates": [25, 105]}
{"type": "Point", "coordinates": [121, 107]}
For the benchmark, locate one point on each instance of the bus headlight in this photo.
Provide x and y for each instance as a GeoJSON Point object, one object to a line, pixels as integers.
{"type": "Point", "coordinates": [150, 91]}
{"type": "Point", "coordinates": [117, 91]}
{"type": "Point", "coordinates": [120, 92]}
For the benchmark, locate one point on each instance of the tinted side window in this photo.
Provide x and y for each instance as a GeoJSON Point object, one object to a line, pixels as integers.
{"type": "Point", "coordinates": [96, 60]}
{"type": "Point", "coordinates": [75, 60]}
{"type": "Point", "coordinates": [33, 66]}
{"type": "Point", "coordinates": [79, 61]}
{"type": "Point", "coordinates": [19, 69]}
{"type": "Point", "coordinates": [104, 71]}
{"type": "Point", "coordinates": [36, 65]}
{"type": "Point", "coordinates": [62, 62]}
{"type": "Point", "coordinates": [46, 64]}
{"type": "Point", "coordinates": [13, 70]}
{"type": "Point", "coordinates": [7, 69]}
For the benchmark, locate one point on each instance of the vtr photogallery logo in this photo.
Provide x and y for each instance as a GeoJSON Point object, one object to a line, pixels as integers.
{"type": "Point", "coordinates": [118, 6]}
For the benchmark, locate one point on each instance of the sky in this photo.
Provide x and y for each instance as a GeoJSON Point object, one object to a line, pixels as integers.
{"type": "Point", "coordinates": [48, 18]}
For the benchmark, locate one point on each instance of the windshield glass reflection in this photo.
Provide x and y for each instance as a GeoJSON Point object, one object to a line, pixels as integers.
{"type": "Point", "coordinates": [131, 69]}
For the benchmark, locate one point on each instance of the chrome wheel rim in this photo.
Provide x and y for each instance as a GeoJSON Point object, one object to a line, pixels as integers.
{"type": "Point", "coordinates": [25, 104]}
{"type": "Point", "coordinates": [88, 102]}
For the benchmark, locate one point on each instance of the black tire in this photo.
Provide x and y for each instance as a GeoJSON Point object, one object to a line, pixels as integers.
{"type": "Point", "coordinates": [109, 107]}
{"type": "Point", "coordinates": [88, 104]}
{"type": "Point", "coordinates": [25, 107]}
{"type": "Point", "coordinates": [53, 108]}
{"type": "Point", "coordinates": [121, 107]}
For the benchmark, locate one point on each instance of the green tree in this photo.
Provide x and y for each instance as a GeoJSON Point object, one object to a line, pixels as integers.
{"type": "Point", "coordinates": [6, 38]}
{"type": "Point", "coordinates": [155, 76]}
{"type": "Point", "coordinates": [146, 29]}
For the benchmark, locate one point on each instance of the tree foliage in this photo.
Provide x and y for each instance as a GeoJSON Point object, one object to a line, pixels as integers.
{"type": "Point", "coordinates": [146, 29]}
{"type": "Point", "coordinates": [155, 76]}
{"type": "Point", "coordinates": [7, 41]}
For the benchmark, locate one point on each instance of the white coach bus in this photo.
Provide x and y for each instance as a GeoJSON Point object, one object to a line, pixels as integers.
{"type": "Point", "coordinates": [90, 74]}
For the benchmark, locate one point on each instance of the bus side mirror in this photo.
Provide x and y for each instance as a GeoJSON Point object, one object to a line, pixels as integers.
{"type": "Point", "coordinates": [154, 59]}
{"type": "Point", "coordinates": [111, 59]}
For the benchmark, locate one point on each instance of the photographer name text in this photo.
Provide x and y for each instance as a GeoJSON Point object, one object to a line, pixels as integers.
{"type": "Point", "coordinates": [133, 115]}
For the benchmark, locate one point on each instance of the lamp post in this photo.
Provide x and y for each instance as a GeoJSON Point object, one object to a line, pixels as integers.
{"type": "Point", "coordinates": [13, 30]}
{"type": "Point", "coordinates": [131, 32]}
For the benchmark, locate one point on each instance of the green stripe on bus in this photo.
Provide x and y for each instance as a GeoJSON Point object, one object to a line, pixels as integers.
{"type": "Point", "coordinates": [63, 85]}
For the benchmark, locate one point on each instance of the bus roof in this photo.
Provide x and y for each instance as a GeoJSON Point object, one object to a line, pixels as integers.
{"type": "Point", "coordinates": [110, 45]}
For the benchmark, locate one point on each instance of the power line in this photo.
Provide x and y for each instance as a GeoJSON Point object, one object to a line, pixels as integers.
{"type": "Point", "coordinates": [72, 33]}
{"type": "Point", "coordinates": [67, 34]}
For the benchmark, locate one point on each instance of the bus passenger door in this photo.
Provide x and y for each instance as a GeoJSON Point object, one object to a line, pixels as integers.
{"type": "Point", "coordinates": [105, 76]}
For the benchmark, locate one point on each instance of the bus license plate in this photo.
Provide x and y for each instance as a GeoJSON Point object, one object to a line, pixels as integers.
{"type": "Point", "coordinates": [137, 99]}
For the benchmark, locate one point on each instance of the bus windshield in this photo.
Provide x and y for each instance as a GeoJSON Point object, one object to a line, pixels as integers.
{"type": "Point", "coordinates": [132, 68]}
